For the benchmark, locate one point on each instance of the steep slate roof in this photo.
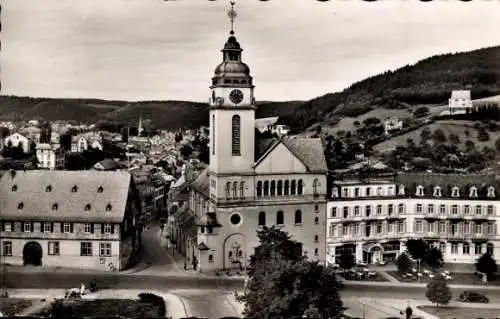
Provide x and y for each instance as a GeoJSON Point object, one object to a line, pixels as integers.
{"type": "Point", "coordinates": [202, 183]}
{"type": "Point", "coordinates": [38, 203]}
{"type": "Point", "coordinates": [447, 182]}
{"type": "Point", "coordinates": [308, 150]}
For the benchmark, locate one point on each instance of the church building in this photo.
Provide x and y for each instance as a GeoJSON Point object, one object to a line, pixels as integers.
{"type": "Point", "coordinates": [251, 183]}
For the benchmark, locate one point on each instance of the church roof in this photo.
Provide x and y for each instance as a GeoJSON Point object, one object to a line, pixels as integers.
{"type": "Point", "coordinates": [308, 150]}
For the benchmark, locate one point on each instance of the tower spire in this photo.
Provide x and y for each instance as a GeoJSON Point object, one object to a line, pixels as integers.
{"type": "Point", "coordinates": [232, 14]}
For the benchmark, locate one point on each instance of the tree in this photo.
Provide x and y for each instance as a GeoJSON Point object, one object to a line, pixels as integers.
{"type": "Point", "coordinates": [469, 145]}
{"type": "Point", "coordinates": [454, 139]}
{"type": "Point", "coordinates": [403, 263]}
{"type": "Point", "coordinates": [347, 261]}
{"type": "Point", "coordinates": [497, 144]}
{"type": "Point", "coordinates": [438, 136]}
{"type": "Point", "coordinates": [417, 248]}
{"type": "Point", "coordinates": [421, 111]}
{"type": "Point", "coordinates": [483, 135]}
{"type": "Point", "coordinates": [284, 284]}
{"type": "Point", "coordinates": [186, 151]}
{"type": "Point", "coordinates": [438, 290]}
{"type": "Point", "coordinates": [434, 258]}
{"type": "Point", "coordinates": [425, 135]}
{"type": "Point", "coordinates": [486, 264]}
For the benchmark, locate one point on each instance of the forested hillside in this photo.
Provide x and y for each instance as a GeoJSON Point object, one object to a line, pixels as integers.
{"type": "Point", "coordinates": [429, 81]}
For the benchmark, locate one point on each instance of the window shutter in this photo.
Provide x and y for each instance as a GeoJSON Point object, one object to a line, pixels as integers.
{"type": "Point", "coordinates": [51, 227]}
{"type": "Point", "coordinates": [71, 227]}
{"type": "Point", "coordinates": [3, 226]}
{"type": "Point", "coordinates": [32, 227]}
{"type": "Point", "coordinates": [62, 227]}
{"type": "Point", "coordinates": [102, 228]}
{"type": "Point", "coordinates": [13, 226]}
{"type": "Point", "coordinates": [112, 228]}
{"type": "Point", "coordinates": [92, 228]}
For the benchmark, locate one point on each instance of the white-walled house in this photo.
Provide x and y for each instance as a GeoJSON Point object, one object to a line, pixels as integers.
{"type": "Point", "coordinates": [460, 102]}
{"type": "Point", "coordinates": [18, 140]}
{"type": "Point", "coordinates": [49, 156]}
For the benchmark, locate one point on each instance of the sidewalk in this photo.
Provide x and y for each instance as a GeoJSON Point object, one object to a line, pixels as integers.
{"type": "Point", "coordinates": [174, 304]}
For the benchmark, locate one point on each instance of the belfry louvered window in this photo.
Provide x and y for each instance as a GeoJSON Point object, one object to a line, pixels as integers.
{"type": "Point", "coordinates": [236, 123]}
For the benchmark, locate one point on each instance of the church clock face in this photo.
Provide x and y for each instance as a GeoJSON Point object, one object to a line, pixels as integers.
{"type": "Point", "coordinates": [236, 96]}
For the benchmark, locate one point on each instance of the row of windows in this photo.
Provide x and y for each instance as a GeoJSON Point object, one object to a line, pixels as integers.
{"type": "Point", "coordinates": [55, 206]}
{"type": "Point", "coordinates": [287, 187]}
{"type": "Point", "coordinates": [238, 254]}
{"type": "Point", "coordinates": [466, 248]}
{"type": "Point", "coordinates": [49, 188]}
{"type": "Point", "coordinates": [237, 188]}
{"type": "Point", "coordinates": [336, 230]}
{"type": "Point", "coordinates": [356, 211]}
{"type": "Point", "coordinates": [452, 228]}
{"type": "Point", "coordinates": [48, 227]}
{"type": "Point", "coordinates": [54, 249]}
{"type": "Point", "coordinates": [390, 191]}
{"type": "Point", "coordinates": [280, 219]}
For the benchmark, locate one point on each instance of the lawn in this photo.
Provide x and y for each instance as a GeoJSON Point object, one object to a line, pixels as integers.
{"type": "Point", "coordinates": [444, 312]}
{"type": "Point", "coordinates": [377, 277]}
{"type": "Point", "coordinates": [103, 308]}
{"type": "Point", "coordinates": [11, 306]}
{"type": "Point", "coordinates": [458, 279]}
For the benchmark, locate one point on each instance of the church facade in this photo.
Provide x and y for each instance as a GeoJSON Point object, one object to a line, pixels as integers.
{"type": "Point", "coordinates": [251, 182]}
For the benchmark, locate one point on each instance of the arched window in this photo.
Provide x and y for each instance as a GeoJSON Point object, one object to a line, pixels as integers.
{"type": "Point", "coordinates": [259, 188]}
{"type": "Point", "coordinates": [266, 188]}
{"type": "Point", "coordinates": [54, 206]}
{"type": "Point", "coordinates": [210, 258]}
{"type": "Point", "coordinates": [228, 189]}
{"type": "Point", "coordinates": [262, 219]}
{"type": "Point", "coordinates": [315, 186]}
{"type": "Point", "coordinates": [300, 187]}
{"type": "Point", "coordinates": [236, 123]}
{"type": "Point", "coordinates": [316, 238]}
{"type": "Point", "coordinates": [213, 134]}
{"type": "Point", "coordinates": [286, 188]}
{"type": "Point", "coordinates": [108, 207]}
{"type": "Point", "coordinates": [235, 189]}
{"type": "Point", "coordinates": [100, 189]}
{"type": "Point", "coordinates": [298, 217]}
{"type": "Point", "coordinates": [280, 219]}
{"type": "Point", "coordinates": [280, 188]}
{"type": "Point", "coordinates": [316, 220]}
{"type": "Point", "coordinates": [242, 189]}
{"type": "Point", "coordinates": [48, 188]}
{"type": "Point", "coordinates": [74, 189]}
{"type": "Point", "coordinates": [489, 249]}
{"type": "Point", "coordinates": [293, 187]}
{"type": "Point", "coordinates": [273, 188]}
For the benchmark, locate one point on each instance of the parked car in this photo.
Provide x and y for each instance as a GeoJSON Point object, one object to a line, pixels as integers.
{"type": "Point", "coordinates": [472, 296]}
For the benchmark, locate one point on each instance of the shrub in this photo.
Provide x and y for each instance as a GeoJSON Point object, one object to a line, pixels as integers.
{"type": "Point", "coordinates": [483, 136]}
{"type": "Point", "coordinates": [155, 301]}
{"type": "Point", "coordinates": [421, 111]}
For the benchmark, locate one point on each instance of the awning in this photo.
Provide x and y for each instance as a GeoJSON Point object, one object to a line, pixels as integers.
{"type": "Point", "coordinates": [203, 247]}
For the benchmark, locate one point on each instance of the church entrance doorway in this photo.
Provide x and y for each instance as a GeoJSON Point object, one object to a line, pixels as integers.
{"type": "Point", "coordinates": [235, 252]}
{"type": "Point", "coordinates": [32, 254]}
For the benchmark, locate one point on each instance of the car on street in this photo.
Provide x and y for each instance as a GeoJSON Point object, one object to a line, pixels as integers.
{"type": "Point", "coordinates": [472, 296]}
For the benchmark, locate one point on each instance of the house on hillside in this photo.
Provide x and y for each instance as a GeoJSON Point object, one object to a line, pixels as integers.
{"type": "Point", "coordinates": [83, 219]}
{"type": "Point", "coordinates": [18, 140]}
{"type": "Point", "coordinates": [49, 156]}
{"type": "Point", "coordinates": [265, 124]}
{"type": "Point", "coordinates": [392, 124]}
{"type": "Point", "coordinates": [460, 102]}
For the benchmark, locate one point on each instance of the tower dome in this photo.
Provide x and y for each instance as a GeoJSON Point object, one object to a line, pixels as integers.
{"type": "Point", "coordinates": [232, 70]}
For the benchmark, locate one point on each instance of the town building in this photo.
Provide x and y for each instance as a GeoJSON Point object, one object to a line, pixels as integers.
{"type": "Point", "coordinates": [85, 219]}
{"type": "Point", "coordinates": [49, 156]}
{"type": "Point", "coordinates": [460, 102]}
{"type": "Point", "coordinates": [373, 216]}
{"type": "Point", "coordinates": [18, 140]}
{"type": "Point", "coordinates": [252, 183]}
{"type": "Point", "coordinates": [392, 125]}
{"type": "Point", "coordinates": [83, 142]}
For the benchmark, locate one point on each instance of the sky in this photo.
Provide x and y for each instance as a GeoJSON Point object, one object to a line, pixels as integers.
{"type": "Point", "coordinates": [168, 50]}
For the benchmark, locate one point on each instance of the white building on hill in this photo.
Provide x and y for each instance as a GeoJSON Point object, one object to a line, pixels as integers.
{"type": "Point", "coordinates": [460, 102]}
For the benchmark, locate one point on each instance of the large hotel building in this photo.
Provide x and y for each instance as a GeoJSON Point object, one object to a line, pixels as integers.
{"type": "Point", "coordinates": [374, 217]}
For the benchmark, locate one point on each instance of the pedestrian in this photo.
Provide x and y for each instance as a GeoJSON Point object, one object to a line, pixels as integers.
{"type": "Point", "coordinates": [409, 312]}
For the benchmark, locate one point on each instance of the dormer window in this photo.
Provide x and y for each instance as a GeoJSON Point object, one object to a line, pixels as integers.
{"type": "Point", "coordinates": [55, 206]}
{"type": "Point", "coordinates": [491, 191]}
{"type": "Point", "coordinates": [437, 191]}
{"type": "Point", "coordinates": [401, 190]}
{"type": "Point", "coordinates": [473, 191]}
{"type": "Point", "coordinates": [74, 189]}
{"type": "Point", "coordinates": [100, 189]}
{"type": "Point", "coordinates": [20, 205]}
{"type": "Point", "coordinates": [420, 190]}
{"type": "Point", "coordinates": [108, 207]}
{"type": "Point", "coordinates": [14, 188]}
{"type": "Point", "coordinates": [335, 192]}
{"type": "Point", "coordinates": [345, 192]}
{"type": "Point", "coordinates": [48, 189]}
{"type": "Point", "coordinates": [455, 192]}
{"type": "Point", "coordinates": [87, 207]}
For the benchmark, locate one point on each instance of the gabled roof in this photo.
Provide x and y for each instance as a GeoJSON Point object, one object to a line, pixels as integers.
{"type": "Point", "coordinates": [308, 150]}
{"type": "Point", "coordinates": [202, 183]}
{"type": "Point", "coordinates": [31, 189]}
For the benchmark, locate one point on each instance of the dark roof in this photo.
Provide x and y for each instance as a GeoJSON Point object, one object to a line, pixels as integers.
{"type": "Point", "coordinates": [39, 190]}
{"type": "Point", "coordinates": [202, 246]}
{"type": "Point", "coordinates": [109, 164]}
{"type": "Point", "coordinates": [180, 193]}
{"type": "Point", "coordinates": [447, 182]}
{"type": "Point", "coordinates": [209, 220]}
{"type": "Point", "coordinates": [202, 183]}
{"type": "Point", "coordinates": [308, 150]}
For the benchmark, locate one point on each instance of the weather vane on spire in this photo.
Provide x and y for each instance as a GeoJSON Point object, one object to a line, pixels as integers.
{"type": "Point", "coordinates": [232, 14]}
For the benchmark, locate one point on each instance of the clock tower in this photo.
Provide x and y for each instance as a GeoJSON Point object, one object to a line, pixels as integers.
{"type": "Point", "coordinates": [232, 112]}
